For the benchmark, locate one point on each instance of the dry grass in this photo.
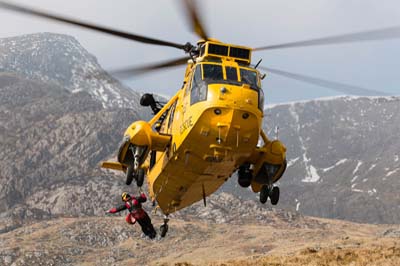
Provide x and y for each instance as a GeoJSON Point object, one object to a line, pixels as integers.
{"type": "Point", "coordinates": [194, 243]}
{"type": "Point", "coordinates": [366, 253]}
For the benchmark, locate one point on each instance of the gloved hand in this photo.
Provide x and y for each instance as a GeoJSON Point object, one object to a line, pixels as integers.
{"type": "Point", "coordinates": [113, 210]}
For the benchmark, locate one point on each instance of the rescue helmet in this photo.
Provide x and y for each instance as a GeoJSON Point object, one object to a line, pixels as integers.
{"type": "Point", "coordinates": [125, 196]}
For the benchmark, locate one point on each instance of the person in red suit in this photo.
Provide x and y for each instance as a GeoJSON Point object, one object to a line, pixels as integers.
{"type": "Point", "coordinates": [136, 213]}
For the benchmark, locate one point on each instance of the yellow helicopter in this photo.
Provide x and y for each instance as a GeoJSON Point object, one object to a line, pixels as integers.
{"type": "Point", "coordinates": [211, 127]}
{"type": "Point", "coordinates": [205, 133]}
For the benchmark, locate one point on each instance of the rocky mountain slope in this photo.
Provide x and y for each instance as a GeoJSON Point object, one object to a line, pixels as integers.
{"type": "Point", "coordinates": [277, 240]}
{"type": "Point", "coordinates": [46, 168]}
{"type": "Point", "coordinates": [343, 157]}
{"type": "Point", "coordinates": [57, 122]}
{"type": "Point", "coordinates": [60, 60]}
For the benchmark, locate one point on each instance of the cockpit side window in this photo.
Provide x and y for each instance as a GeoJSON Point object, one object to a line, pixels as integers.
{"type": "Point", "coordinates": [199, 87]}
{"type": "Point", "coordinates": [249, 77]}
{"type": "Point", "coordinates": [188, 85]}
{"type": "Point", "coordinates": [171, 116]}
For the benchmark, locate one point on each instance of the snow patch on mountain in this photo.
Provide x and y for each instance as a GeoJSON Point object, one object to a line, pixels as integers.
{"type": "Point", "coordinates": [333, 166]}
{"type": "Point", "coordinates": [371, 167]}
{"type": "Point", "coordinates": [60, 59]}
{"type": "Point", "coordinates": [312, 175]}
{"type": "Point", "coordinates": [357, 167]}
{"type": "Point", "coordinates": [372, 192]}
{"type": "Point", "coordinates": [392, 172]}
{"type": "Point", "coordinates": [292, 161]}
{"type": "Point", "coordinates": [298, 203]}
{"type": "Point", "coordinates": [354, 179]}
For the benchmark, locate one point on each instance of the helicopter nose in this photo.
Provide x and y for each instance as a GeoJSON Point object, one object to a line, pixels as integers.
{"type": "Point", "coordinates": [238, 96]}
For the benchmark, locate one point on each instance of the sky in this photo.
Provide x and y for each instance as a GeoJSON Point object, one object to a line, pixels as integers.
{"type": "Point", "coordinates": [372, 65]}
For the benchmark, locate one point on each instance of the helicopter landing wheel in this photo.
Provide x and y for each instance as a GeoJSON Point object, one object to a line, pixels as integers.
{"type": "Point", "coordinates": [264, 194]}
{"type": "Point", "coordinates": [164, 227]}
{"type": "Point", "coordinates": [163, 230]}
{"type": "Point", "coordinates": [274, 196]}
{"type": "Point", "coordinates": [244, 182]}
{"type": "Point", "coordinates": [245, 175]}
{"type": "Point", "coordinates": [139, 177]}
{"type": "Point", "coordinates": [129, 175]}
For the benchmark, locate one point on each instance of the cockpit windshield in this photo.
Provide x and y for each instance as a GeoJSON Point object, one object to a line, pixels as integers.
{"type": "Point", "coordinates": [209, 73]}
{"type": "Point", "coordinates": [212, 72]}
{"type": "Point", "coordinates": [231, 74]}
{"type": "Point", "coordinates": [217, 73]}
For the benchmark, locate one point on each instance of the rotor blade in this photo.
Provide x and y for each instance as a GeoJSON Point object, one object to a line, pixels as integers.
{"type": "Point", "coordinates": [372, 35]}
{"type": "Point", "coordinates": [337, 86]}
{"type": "Point", "coordinates": [194, 17]}
{"type": "Point", "coordinates": [130, 36]}
{"type": "Point", "coordinates": [130, 71]}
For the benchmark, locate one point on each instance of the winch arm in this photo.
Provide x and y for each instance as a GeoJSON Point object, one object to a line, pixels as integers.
{"type": "Point", "coordinates": [163, 110]}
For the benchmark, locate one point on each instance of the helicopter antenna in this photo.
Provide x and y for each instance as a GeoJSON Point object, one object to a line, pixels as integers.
{"type": "Point", "coordinates": [258, 63]}
{"type": "Point", "coordinates": [204, 196]}
{"type": "Point", "coordinates": [192, 56]}
{"type": "Point", "coordinates": [276, 132]}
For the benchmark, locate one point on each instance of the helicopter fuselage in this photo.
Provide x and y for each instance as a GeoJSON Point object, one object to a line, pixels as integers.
{"type": "Point", "coordinates": [206, 132]}
{"type": "Point", "coordinates": [210, 139]}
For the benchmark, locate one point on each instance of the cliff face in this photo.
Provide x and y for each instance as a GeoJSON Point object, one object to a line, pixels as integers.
{"type": "Point", "coordinates": [52, 142]}
{"type": "Point", "coordinates": [61, 114]}
{"type": "Point", "coordinates": [60, 60]}
{"type": "Point", "coordinates": [343, 157]}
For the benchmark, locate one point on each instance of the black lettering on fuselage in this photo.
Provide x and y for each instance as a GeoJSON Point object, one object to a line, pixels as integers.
{"type": "Point", "coordinates": [186, 124]}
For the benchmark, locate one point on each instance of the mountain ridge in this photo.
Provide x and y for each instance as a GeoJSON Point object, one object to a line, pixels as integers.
{"type": "Point", "coordinates": [61, 60]}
